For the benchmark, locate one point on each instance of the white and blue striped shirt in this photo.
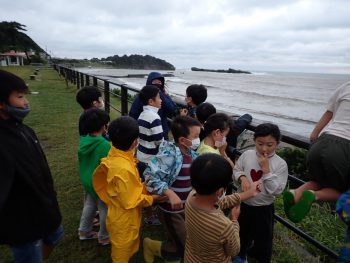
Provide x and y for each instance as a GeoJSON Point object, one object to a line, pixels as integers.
{"type": "Point", "coordinates": [151, 133]}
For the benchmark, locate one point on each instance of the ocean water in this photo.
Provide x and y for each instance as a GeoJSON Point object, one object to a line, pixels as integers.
{"type": "Point", "coordinates": [294, 101]}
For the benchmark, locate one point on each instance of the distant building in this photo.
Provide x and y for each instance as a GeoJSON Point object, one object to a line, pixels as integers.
{"type": "Point", "coordinates": [12, 58]}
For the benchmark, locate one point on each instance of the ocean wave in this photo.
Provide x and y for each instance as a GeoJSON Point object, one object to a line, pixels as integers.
{"type": "Point", "coordinates": [265, 113]}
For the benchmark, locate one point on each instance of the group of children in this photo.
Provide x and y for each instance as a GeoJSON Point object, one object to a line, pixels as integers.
{"type": "Point", "coordinates": [128, 164]}
{"type": "Point", "coordinates": [187, 178]}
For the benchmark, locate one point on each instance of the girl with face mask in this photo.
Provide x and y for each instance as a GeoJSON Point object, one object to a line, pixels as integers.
{"type": "Point", "coordinates": [216, 129]}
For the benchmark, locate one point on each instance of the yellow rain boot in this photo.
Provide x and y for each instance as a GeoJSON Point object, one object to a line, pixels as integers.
{"type": "Point", "coordinates": [151, 248]}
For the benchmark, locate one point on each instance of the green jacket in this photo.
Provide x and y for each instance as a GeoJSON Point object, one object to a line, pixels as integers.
{"type": "Point", "coordinates": [91, 150]}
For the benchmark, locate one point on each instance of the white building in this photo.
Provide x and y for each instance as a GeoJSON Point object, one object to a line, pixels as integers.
{"type": "Point", "coordinates": [12, 58]}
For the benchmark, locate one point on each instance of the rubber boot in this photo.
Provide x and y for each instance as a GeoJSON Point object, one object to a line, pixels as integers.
{"type": "Point", "coordinates": [151, 248]}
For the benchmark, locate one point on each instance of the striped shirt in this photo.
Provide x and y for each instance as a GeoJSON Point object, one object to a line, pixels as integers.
{"type": "Point", "coordinates": [211, 236]}
{"type": "Point", "coordinates": [181, 186]}
{"type": "Point", "coordinates": [151, 133]}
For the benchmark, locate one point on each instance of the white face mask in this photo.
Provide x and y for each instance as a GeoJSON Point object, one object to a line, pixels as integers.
{"type": "Point", "coordinates": [219, 144]}
{"type": "Point", "coordinates": [101, 105]}
{"type": "Point", "coordinates": [222, 196]}
{"type": "Point", "coordinates": [195, 143]}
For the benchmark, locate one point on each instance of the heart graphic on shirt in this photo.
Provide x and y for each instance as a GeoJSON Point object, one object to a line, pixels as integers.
{"type": "Point", "coordinates": [256, 175]}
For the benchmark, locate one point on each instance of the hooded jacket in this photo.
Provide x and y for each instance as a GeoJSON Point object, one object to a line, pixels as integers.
{"type": "Point", "coordinates": [118, 184]}
{"type": "Point", "coordinates": [91, 150]}
{"type": "Point", "coordinates": [168, 106]}
{"type": "Point", "coordinates": [28, 206]}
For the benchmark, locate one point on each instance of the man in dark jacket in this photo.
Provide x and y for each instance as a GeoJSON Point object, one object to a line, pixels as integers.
{"type": "Point", "coordinates": [168, 106]}
{"type": "Point", "coordinates": [30, 219]}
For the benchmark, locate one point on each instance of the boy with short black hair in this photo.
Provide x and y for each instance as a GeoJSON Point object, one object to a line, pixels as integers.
{"type": "Point", "coordinates": [257, 214]}
{"type": "Point", "coordinates": [118, 184]}
{"type": "Point", "coordinates": [150, 126]}
{"type": "Point", "coordinates": [216, 237]}
{"type": "Point", "coordinates": [92, 148]}
{"type": "Point", "coordinates": [195, 95]}
{"type": "Point", "coordinates": [88, 97]}
{"type": "Point", "coordinates": [151, 135]}
{"type": "Point", "coordinates": [168, 174]}
{"type": "Point", "coordinates": [30, 219]}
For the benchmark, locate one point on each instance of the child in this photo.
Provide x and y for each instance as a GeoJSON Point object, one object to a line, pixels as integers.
{"type": "Point", "coordinates": [29, 213]}
{"type": "Point", "coordinates": [118, 184]}
{"type": "Point", "coordinates": [328, 159]}
{"type": "Point", "coordinates": [92, 148]}
{"type": "Point", "coordinates": [195, 95]}
{"type": "Point", "coordinates": [168, 174]}
{"type": "Point", "coordinates": [88, 97]}
{"type": "Point", "coordinates": [205, 110]}
{"type": "Point", "coordinates": [150, 126]}
{"type": "Point", "coordinates": [256, 218]}
{"type": "Point", "coordinates": [168, 106]}
{"type": "Point", "coordinates": [215, 238]}
{"type": "Point", "coordinates": [216, 129]}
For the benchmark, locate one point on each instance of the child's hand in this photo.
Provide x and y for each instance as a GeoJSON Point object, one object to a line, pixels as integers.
{"type": "Point", "coordinates": [174, 199]}
{"type": "Point", "coordinates": [245, 184]}
{"type": "Point", "coordinates": [222, 149]}
{"type": "Point", "coordinates": [160, 198]}
{"type": "Point", "coordinates": [183, 112]}
{"type": "Point", "coordinates": [263, 161]}
{"type": "Point", "coordinates": [235, 211]}
{"type": "Point", "coordinates": [255, 187]}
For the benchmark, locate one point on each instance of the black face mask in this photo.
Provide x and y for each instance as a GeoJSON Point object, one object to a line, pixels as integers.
{"type": "Point", "coordinates": [16, 112]}
{"type": "Point", "coordinates": [159, 86]}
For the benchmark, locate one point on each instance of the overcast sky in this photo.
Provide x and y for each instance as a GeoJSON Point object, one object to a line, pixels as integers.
{"type": "Point", "coordinates": [299, 36]}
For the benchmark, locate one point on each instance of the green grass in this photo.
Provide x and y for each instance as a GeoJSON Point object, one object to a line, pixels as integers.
{"type": "Point", "coordinates": [54, 117]}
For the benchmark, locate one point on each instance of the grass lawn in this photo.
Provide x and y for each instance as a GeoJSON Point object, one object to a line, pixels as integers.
{"type": "Point", "coordinates": [54, 117]}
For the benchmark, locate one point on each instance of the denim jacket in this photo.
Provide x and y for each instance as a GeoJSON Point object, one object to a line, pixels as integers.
{"type": "Point", "coordinates": [163, 169]}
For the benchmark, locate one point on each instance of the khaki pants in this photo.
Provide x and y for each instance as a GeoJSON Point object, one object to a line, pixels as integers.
{"type": "Point", "coordinates": [174, 246]}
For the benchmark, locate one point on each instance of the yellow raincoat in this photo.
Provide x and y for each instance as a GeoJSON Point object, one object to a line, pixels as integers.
{"type": "Point", "coordinates": [117, 183]}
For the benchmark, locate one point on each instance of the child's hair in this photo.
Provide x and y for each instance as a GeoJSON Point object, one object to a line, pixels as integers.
{"type": "Point", "coordinates": [266, 129]}
{"type": "Point", "coordinates": [123, 132]}
{"type": "Point", "coordinates": [216, 121]}
{"type": "Point", "coordinates": [181, 125]}
{"type": "Point", "coordinates": [95, 119]}
{"type": "Point", "coordinates": [210, 172]}
{"type": "Point", "coordinates": [87, 95]}
{"type": "Point", "coordinates": [8, 83]}
{"type": "Point", "coordinates": [204, 111]}
{"type": "Point", "coordinates": [198, 93]}
{"type": "Point", "coordinates": [148, 92]}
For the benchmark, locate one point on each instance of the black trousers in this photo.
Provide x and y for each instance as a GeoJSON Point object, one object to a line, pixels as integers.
{"type": "Point", "coordinates": [256, 231]}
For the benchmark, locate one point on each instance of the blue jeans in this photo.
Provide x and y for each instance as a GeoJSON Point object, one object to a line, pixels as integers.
{"type": "Point", "coordinates": [31, 252]}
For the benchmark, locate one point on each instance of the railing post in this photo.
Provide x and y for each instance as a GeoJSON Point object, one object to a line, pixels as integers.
{"type": "Point", "coordinates": [106, 95]}
{"type": "Point", "coordinates": [78, 80]}
{"type": "Point", "coordinates": [82, 79]}
{"type": "Point", "coordinates": [74, 77]}
{"type": "Point", "coordinates": [124, 100]}
{"type": "Point", "coordinates": [87, 80]}
{"type": "Point", "coordinates": [94, 81]}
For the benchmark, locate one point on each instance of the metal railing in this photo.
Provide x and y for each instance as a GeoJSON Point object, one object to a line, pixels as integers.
{"type": "Point", "coordinates": [82, 79]}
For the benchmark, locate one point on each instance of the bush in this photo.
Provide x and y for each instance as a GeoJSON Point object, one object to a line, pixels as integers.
{"type": "Point", "coordinates": [296, 161]}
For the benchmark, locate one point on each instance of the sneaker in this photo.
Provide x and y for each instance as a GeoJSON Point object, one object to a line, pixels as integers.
{"type": "Point", "coordinates": [88, 235]}
{"type": "Point", "coordinates": [104, 242]}
{"type": "Point", "coordinates": [152, 221]}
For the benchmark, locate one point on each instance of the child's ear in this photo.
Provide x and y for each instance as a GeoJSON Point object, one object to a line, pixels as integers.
{"type": "Point", "coordinates": [135, 144]}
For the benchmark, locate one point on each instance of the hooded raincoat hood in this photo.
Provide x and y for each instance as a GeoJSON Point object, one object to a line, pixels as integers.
{"type": "Point", "coordinates": [155, 75]}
